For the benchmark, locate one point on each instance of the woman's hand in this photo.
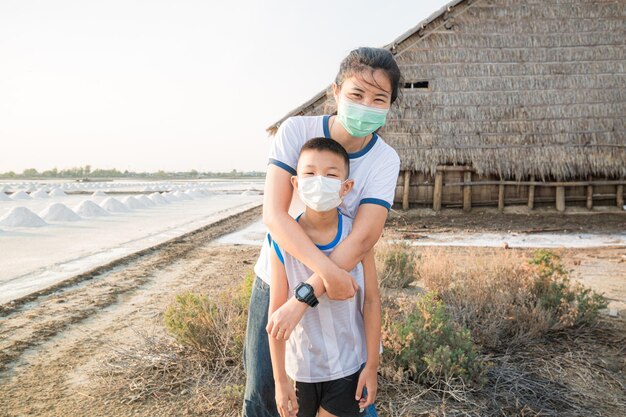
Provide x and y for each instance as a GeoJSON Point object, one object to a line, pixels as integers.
{"type": "Point", "coordinates": [340, 285]}
{"type": "Point", "coordinates": [367, 379]}
{"type": "Point", "coordinates": [286, 400]}
{"type": "Point", "coordinates": [282, 322]}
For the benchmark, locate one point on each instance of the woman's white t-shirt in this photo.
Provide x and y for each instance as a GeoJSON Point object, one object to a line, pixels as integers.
{"type": "Point", "coordinates": [374, 170]}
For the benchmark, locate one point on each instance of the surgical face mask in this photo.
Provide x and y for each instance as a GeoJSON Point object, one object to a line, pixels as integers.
{"type": "Point", "coordinates": [320, 193]}
{"type": "Point", "coordinates": [359, 120]}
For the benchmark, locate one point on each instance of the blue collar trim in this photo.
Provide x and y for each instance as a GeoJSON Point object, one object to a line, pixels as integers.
{"type": "Point", "coordinates": [354, 155]}
{"type": "Point", "coordinates": [337, 236]}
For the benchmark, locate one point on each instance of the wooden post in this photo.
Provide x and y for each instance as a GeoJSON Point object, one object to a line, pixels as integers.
{"type": "Point", "coordinates": [531, 194]}
{"type": "Point", "coordinates": [619, 197]}
{"type": "Point", "coordinates": [501, 197]}
{"type": "Point", "coordinates": [467, 191]}
{"type": "Point", "coordinates": [589, 195]}
{"type": "Point", "coordinates": [405, 192]}
{"type": "Point", "coordinates": [438, 190]}
{"type": "Point", "coordinates": [560, 198]}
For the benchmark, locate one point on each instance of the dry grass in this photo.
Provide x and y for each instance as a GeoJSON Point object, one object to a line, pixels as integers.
{"type": "Point", "coordinates": [163, 370]}
{"type": "Point", "coordinates": [492, 296]}
{"type": "Point", "coordinates": [199, 364]}
{"type": "Point", "coordinates": [534, 364]}
{"type": "Point", "coordinates": [508, 298]}
{"type": "Point", "coordinates": [395, 264]}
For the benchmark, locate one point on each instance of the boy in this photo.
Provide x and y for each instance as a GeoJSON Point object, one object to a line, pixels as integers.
{"type": "Point", "coordinates": [333, 352]}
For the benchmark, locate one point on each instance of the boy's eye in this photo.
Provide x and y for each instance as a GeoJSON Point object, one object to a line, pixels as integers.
{"type": "Point", "coordinates": [331, 175]}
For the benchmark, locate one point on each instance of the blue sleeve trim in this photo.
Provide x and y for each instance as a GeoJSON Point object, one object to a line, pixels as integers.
{"type": "Point", "coordinates": [325, 125]}
{"type": "Point", "coordinates": [283, 166]}
{"type": "Point", "coordinates": [376, 201]}
{"type": "Point", "coordinates": [278, 253]}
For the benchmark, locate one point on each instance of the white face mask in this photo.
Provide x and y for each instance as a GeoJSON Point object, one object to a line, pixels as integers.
{"type": "Point", "coordinates": [320, 193]}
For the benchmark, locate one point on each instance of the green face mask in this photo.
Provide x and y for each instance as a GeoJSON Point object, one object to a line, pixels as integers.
{"type": "Point", "coordinates": [359, 120]}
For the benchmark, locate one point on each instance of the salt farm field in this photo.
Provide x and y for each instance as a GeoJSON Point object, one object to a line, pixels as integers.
{"type": "Point", "coordinates": [41, 245]}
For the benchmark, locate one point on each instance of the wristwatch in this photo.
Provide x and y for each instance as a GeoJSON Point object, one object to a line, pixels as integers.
{"type": "Point", "coordinates": [306, 294]}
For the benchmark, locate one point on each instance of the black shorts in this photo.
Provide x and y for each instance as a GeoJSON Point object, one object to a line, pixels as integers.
{"type": "Point", "coordinates": [336, 397]}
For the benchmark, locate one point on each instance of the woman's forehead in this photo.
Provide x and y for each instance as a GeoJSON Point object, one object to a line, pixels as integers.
{"type": "Point", "coordinates": [375, 81]}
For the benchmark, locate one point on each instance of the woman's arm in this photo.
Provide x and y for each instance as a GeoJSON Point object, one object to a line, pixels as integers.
{"type": "Point", "coordinates": [290, 236]}
{"type": "Point", "coordinates": [372, 321]}
{"type": "Point", "coordinates": [366, 230]}
{"type": "Point", "coordinates": [285, 393]}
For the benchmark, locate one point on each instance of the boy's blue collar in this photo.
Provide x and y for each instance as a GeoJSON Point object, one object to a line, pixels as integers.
{"type": "Point", "coordinates": [335, 241]}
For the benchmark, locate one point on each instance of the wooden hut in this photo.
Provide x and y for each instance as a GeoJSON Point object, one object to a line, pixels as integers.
{"type": "Point", "coordinates": [510, 102]}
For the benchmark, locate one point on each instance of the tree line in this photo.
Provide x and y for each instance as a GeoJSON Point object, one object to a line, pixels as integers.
{"type": "Point", "coordinates": [87, 173]}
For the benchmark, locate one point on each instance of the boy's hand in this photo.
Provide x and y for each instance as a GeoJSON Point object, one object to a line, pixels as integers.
{"type": "Point", "coordinates": [367, 379]}
{"type": "Point", "coordinates": [282, 321]}
{"type": "Point", "coordinates": [341, 285]}
{"type": "Point", "coordinates": [286, 397]}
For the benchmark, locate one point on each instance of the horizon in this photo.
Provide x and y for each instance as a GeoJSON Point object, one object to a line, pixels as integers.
{"type": "Point", "coordinates": [152, 86]}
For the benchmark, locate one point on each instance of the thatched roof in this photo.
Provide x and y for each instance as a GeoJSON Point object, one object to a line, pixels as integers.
{"type": "Point", "coordinates": [516, 88]}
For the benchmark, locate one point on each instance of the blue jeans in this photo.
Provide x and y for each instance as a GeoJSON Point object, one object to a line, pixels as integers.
{"type": "Point", "coordinates": [259, 397]}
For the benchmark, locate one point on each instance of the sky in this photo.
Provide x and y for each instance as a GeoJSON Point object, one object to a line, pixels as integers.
{"type": "Point", "coordinates": [148, 85]}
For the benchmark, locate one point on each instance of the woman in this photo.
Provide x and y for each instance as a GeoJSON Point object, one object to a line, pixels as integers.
{"type": "Point", "coordinates": [366, 86]}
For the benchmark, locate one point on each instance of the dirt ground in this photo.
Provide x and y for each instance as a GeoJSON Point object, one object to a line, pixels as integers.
{"type": "Point", "coordinates": [51, 345]}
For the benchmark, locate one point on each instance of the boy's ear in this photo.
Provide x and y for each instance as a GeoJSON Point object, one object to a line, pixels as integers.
{"type": "Point", "coordinates": [347, 186]}
{"type": "Point", "coordinates": [294, 181]}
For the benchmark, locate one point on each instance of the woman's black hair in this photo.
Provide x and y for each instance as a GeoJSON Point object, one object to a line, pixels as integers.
{"type": "Point", "coordinates": [372, 59]}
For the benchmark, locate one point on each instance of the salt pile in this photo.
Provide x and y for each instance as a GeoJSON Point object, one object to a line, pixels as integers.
{"type": "Point", "coordinates": [41, 193]}
{"type": "Point", "coordinates": [158, 198]}
{"type": "Point", "coordinates": [99, 194]}
{"type": "Point", "coordinates": [171, 196]}
{"type": "Point", "coordinates": [132, 203]}
{"type": "Point", "coordinates": [194, 193]}
{"type": "Point", "coordinates": [88, 208]}
{"type": "Point", "coordinates": [22, 217]}
{"type": "Point", "coordinates": [57, 192]}
{"type": "Point", "coordinates": [182, 195]}
{"type": "Point", "coordinates": [20, 195]}
{"type": "Point", "coordinates": [114, 206]}
{"type": "Point", "coordinates": [58, 212]}
{"type": "Point", "coordinates": [146, 201]}
{"type": "Point", "coordinates": [4, 197]}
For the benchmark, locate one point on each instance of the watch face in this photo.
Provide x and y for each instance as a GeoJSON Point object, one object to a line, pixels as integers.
{"type": "Point", "coordinates": [303, 291]}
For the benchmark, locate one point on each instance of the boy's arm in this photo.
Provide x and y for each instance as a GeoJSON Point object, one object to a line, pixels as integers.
{"type": "Point", "coordinates": [279, 292]}
{"type": "Point", "coordinates": [372, 321]}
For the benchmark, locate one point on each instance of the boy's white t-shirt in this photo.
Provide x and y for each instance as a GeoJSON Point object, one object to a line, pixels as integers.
{"type": "Point", "coordinates": [329, 342]}
{"type": "Point", "coordinates": [374, 170]}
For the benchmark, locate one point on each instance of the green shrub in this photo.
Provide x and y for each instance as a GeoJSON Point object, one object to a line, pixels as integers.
{"type": "Point", "coordinates": [423, 344]}
{"type": "Point", "coordinates": [396, 263]}
{"type": "Point", "coordinates": [213, 325]}
{"type": "Point", "coordinates": [570, 303]}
